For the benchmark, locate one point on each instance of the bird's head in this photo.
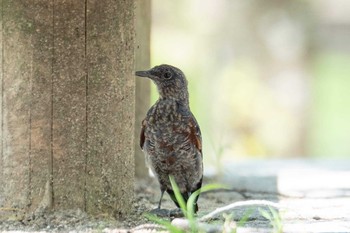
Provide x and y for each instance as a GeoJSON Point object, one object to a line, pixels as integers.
{"type": "Point", "coordinates": [171, 81]}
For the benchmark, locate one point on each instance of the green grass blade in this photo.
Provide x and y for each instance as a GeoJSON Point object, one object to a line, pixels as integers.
{"type": "Point", "coordinates": [178, 195]}
{"type": "Point", "coordinates": [266, 214]}
{"type": "Point", "coordinates": [206, 188]}
{"type": "Point", "coordinates": [245, 218]}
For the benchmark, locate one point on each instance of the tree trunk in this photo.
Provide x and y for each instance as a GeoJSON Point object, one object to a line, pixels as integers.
{"type": "Point", "coordinates": [142, 62]}
{"type": "Point", "coordinates": [67, 105]}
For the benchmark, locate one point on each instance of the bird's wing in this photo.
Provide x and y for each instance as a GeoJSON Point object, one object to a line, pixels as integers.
{"type": "Point", "coordinates": [195, 133]}
{"type": "Point", "coordinates": [142, 134]}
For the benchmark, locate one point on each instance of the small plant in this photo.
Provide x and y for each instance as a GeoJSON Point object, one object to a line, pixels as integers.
{"type": "Point", "coordinates": [275, 219]}
{"type": "Point", "coordinates": [245, 218]}
{"type": "Point", "coordinates": [230, 225]}
{"type": "Point", "coordinates": [187, 208]}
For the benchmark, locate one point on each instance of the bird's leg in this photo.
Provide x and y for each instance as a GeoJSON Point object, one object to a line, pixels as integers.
{"type": "Point", "coordinates": [161, 197]}
{"type": "Point", "coordinates": [158, 211]}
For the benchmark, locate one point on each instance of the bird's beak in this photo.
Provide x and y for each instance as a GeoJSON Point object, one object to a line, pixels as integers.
{"type": "Point", "coordinates": [143, 74]}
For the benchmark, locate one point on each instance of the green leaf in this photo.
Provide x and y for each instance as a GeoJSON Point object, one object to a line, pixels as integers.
{"type": "Point", "coordinates": [245, 218]}
{"type": "Point", "coordinates": [265, 214]}
{"type": "Point", "coordinates": [206, 188]}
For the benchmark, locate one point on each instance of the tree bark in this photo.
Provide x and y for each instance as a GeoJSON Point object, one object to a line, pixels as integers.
{"type": "Point", "coordinates": [67, 105]}
{"type": "Point", "coordinates": [143, 89]}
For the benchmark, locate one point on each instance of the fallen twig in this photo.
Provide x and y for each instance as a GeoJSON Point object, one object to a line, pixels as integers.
{"type": "Point", "coordinates": [221, 210]}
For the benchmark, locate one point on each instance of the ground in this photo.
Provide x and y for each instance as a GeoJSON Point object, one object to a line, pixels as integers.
{"type": "Point", "coordinates": [305, 196]}
{"type": "Point", "coordinates": [146, 198]}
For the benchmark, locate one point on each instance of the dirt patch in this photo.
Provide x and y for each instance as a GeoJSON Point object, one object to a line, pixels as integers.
{"type": "Point", "coordinates": [146, 198]}
{"type": "Point", "coordinates": [302, 201]}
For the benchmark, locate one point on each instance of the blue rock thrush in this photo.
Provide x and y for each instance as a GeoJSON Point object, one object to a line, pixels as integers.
{"type": "Point", "coordinates": [170, 136]}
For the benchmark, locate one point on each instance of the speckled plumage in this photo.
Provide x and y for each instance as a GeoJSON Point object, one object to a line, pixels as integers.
{"type": "Point", "coordinates": [170, 135]}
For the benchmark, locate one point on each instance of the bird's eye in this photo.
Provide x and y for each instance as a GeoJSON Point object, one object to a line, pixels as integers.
{"type": "Point", "coordinates": [167, 75]}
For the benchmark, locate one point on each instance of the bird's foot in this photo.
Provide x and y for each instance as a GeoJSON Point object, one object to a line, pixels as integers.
{"type": "Point", "coordinates": [160, 212]}
{"type": "Point", "coordinates": [176, 213]}
{"type": "Point", "coordinates": [164, 213]}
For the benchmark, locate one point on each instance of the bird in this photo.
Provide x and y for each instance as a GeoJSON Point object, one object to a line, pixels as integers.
{"type": "Point", "coordinates": [170, 135]}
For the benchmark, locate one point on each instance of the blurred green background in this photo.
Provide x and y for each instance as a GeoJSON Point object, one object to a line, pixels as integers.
{"type": "Point", "coordinates": [266, 78]}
